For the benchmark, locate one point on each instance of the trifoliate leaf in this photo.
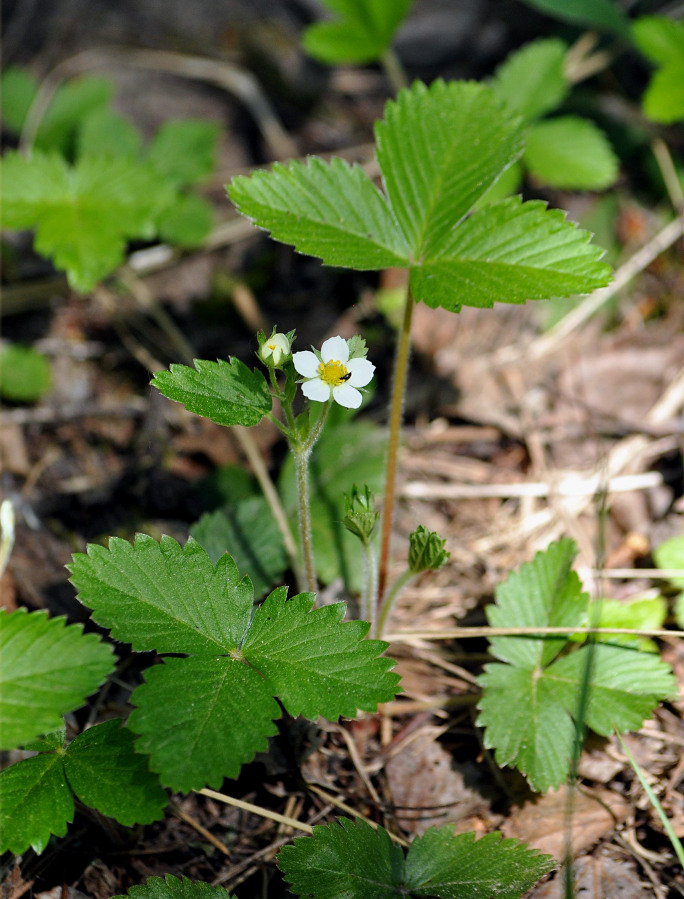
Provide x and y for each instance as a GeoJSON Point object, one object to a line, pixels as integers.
{"type": "Point", "coordinates": [35, 802]}
{"type": "Point", "coordinates": [46, 670]}
{"type": "Point", "coordinates": [350, 860]}
{"type": "Point", "coordinates": [83, 215]}
{"type": "Point", "coordinates": [201, 718]}
{"type": "Point", "coordinates": [186, 222]}
{"type": "Point", "coordinates": [604, 15]}
{"type": "Point", "coordinates": [18, 89]}
{"type": "Point", "coordinates": [228, 393]}
{"type": "Point", "coordinates": [529, 707]}
{"type": "Point", "coordinates": [25, 374]}
{"type": "Point", "coordinates": [570, 153]}
{"type": "Point", "coordinates": [73, 102]}
{"type": "Point", "coordinates": [439, 149]}
{"type": "Point", "coordinates": [164, 596]}
{"type": "Point", "coordinates": [510, 252]}
{"type": "Point", "coordinates": [349, 453]}
{"type": "Point", "coordinates": [531, 81]}
{"type": "Point", "coordinates": [331, 210]}
{"type": "Point", "coordinates": [171, 887]}
{"type": "Point", "coordinates": [106, 773]}
{"type": "Point", "coordinates": [106, 133]}
{"type": "Point", "coordinates": [184, 150]}
{"type": "Point", "coordinates": [248, 531]}
{"type": "Point", "coordinates": [316, 663]}
{"type": "Point", "coordinates": [362, 32]}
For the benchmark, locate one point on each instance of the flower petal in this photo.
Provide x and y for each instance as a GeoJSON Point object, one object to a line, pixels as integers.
{"type": "Point", "coordinates": [361, 372]}
{"type": "Point", "coordinates": [316, 390]}
{"type": "Point", "coordinates": [306, 363]}
{"type": "Point", "coordinates": [335, 349]}
{"type": "Point", "coordinates": [347, 396]}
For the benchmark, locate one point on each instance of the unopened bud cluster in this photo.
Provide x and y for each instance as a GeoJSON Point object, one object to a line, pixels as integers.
{"type": "Point", "coordinates": [360, 516]}
{"type": "Point", "coordinates": [426, 550]}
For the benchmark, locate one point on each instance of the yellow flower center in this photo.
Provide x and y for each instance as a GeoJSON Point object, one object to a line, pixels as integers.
{"type": "Point", "coordinates": [333, 373]}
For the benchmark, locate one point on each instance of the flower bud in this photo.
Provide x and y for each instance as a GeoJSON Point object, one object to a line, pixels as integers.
{"type": "Point", "coordinates": [426, 550]}
{"type": "Point", "coordinates": [274, 350]}
{"type": "Point", "coordinates": [360, 516]}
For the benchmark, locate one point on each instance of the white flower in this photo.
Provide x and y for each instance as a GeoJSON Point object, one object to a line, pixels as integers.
{"type": "Point", "coordinates": [275, 348]}
{"type": "Point", "coordinates": [335, 373]}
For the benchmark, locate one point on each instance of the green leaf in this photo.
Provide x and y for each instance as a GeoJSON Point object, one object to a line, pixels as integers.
{"type": "Point", "coordinates": [362, 32]}
{"type": "Point", "coordinates": [18, 89]}
{"type": "Point", "coordinates": [248, 531]}
{"type": "Point", "coordinates": [184, 150]}
{"type": "Point", "coordinates": [171, 887]}
{"type": "Point", "coordinates": [316, 663]}
{"type": "Point", "coordinates": [663, 100]}
{"type": "Point", "coordinates": [531, 81]}
{"type": "Point", "coordinates": [106, 773]}
{"type": "Point", "coordinates": [529, 706]}
{"type": "Point", "coordinates": [83, 215]}
{"type": "Point", "coordinates": [570, 153]}
{"type": "Point", "coordinates": [35, 802]}
{"type": "Point", "coordinates": [349, 859]}
{"type": "Point", "coordinates": [72, 104]}
{"type": "Point", "coordinates": [164, 596]}
{"type": "Point", "coordinates": [226, 392]}
{"type": "Point", "coordinates": [187, 221]}
{"type": "Point", "coordinates": [510, 252]}
{"type": "Point", "coordinates": [601, 14]}
{"type": "Point", "coordinates": [25, 374]}
{"type": "Point", "coordinates": [105, 133]}
{"type": "Point", "coordinates": [660, 39]}
{"type": "Point", "coordinates": [201, 718]}
{"type": "Point", "coordinates": [643, 614]}
{"type": "Point", "coordinates": [330, 210]}
{"type": "Point", "coordinates": [347, 453]}
{"type": "Point", "coordinates": [670, 556]}
{"type": "Point", "coordinates": [439, 149]}
{"type": "Point", "coordinates": [46, 670]}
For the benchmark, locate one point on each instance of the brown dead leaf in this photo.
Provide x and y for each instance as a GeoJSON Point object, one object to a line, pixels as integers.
{"type": "Point", "coordinates": [542, 822]}
{"type": "Point", "coordinates": [14, 457]}
{"type": "Point", "coordinates": [597, 877]}
{"type": "Point", "coordinates": [429, 788]}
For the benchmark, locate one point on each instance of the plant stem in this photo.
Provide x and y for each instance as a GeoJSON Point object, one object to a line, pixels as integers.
{"type": "Point", "coordinates": [396, 414]}
{"type": "Point", "coordinates": [370, 585]}
{"type": "Point", "coordinates": [388, 602]}
{"type": "Point", "coordinates": [394, 70]}
{"type": "Point", "coordinates": [302, 453]}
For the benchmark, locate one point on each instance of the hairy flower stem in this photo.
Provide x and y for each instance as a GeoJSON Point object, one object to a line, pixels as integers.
{"type": "Point", "coordinates": [392, 594]}
{"type": "Point", "coordinates": [370, 582]}
{"type": "Point", "coordinates": [394, 70]}
{"type": "Point", "coordinates": [395, 420]}
{"type": "Point", "coordinates": [302, 454]}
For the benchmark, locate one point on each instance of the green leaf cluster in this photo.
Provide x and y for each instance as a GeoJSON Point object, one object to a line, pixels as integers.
{"type": "Point", "coordinates": [90, 186]}
{"type": "Point", "coordinates": [361, 31]}
{"type": "Point", "coordinates": [349, 859]}
{"type": "Point", "coordinates": [566, 151]}
{"type": "Point", "coordinates": [200, 718]}
{"type": "Point", "coordinates": [99, 767]}
{"type": "Point", "coordinates": [25, 374]}
{"type": "Point", "coordinates": [661, 40]}
{"type": "Point", "coordinates": [439, 149]}
{"type": "Point", "coordinates": [531, 698]}
{"type": "Point", "coordinates": [47, 669]}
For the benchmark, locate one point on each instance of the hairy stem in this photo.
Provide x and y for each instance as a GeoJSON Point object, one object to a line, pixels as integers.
{"type": "Point", "coordinates": [370, 578]}
{"type": "Point", "coordinates": [394, 70]}
{"type": "Point", "coordinates": [388, 602]}
{"type": "Point", "coordinates": [395, 420]}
